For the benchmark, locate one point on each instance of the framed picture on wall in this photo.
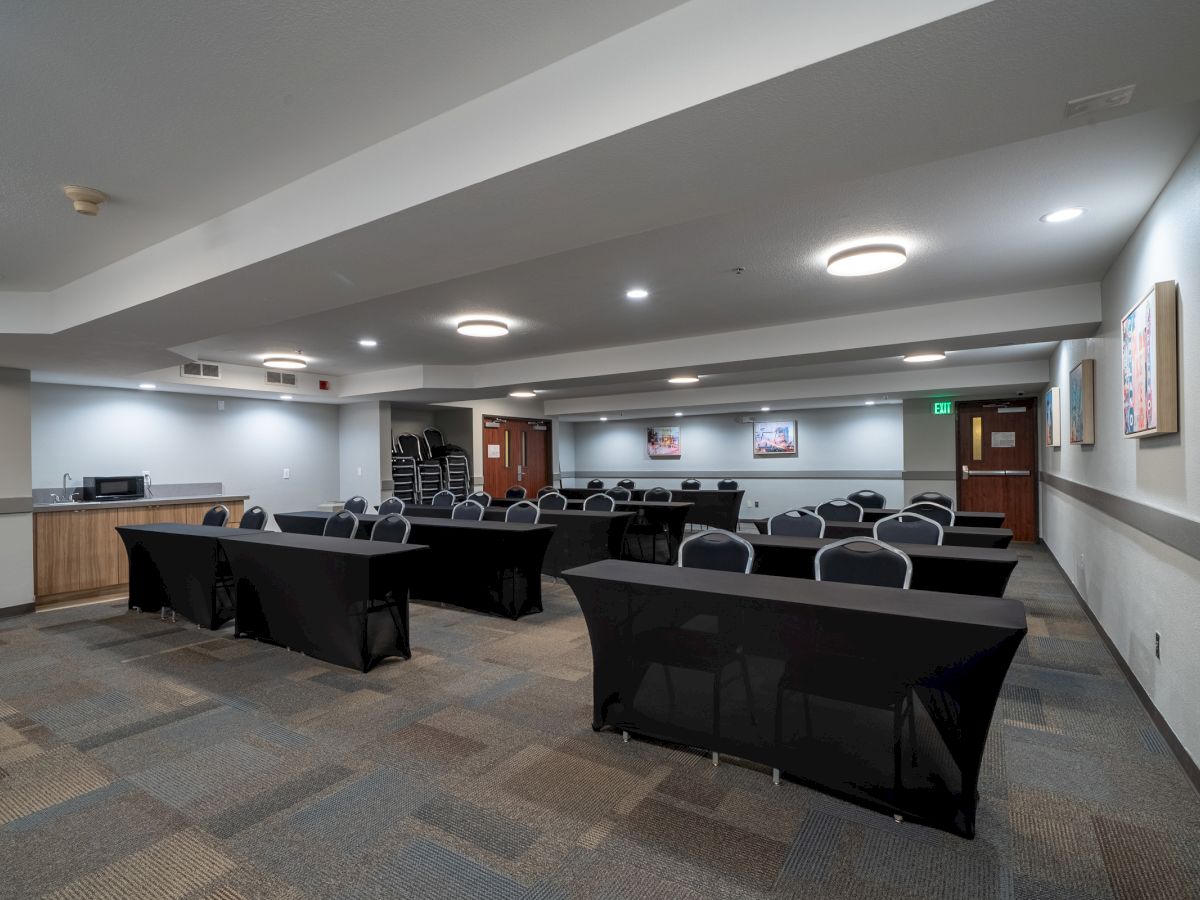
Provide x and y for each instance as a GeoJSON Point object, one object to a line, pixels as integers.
{"type": "Point", "coordinates": [774, 438]}
{"type": "Point", "coordinates": [1081, 402]}
{"type": "Point", "coordinates": [664, 442]}
{"type": "Point", "coordinates": [1150, 365]}
{"type": "Point", "coordinates": [1052, 425]}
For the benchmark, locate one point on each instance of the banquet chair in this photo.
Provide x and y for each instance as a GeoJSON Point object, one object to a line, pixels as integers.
{"type": "Point", "coordinates": [483, 498]}
{"type": "Point", "coordinates": [552, 500]}
{"type": "Point", "coordinates": [727, 484]}
{"type": "Point", "coordinates": [716, 549]}
{"type": "Point", "coordinates": [690, 484]}
{"type": "Point", "coordinates": [218, 516]}
{"type": "Point", "coordinates": [356, 505]}
{"type": "Point", "coordinates": [524, 512]}
{"type": "Point", "coordinates": [860, 560]}
{"type": "Point", "coordinates": [626, 483]}
{"type": "Point", "coordinates": [391, 505]}
{"type": "Point", "coordinates": [619, 493]}
{"type": "Point", "coordinates": [467, 511]}
{"type": "Point", "coordinates": [595, 485]}
{"type": "Point", "coordinates": [840, 511]}
{"type": "Point", "coordinates": [908, 528]}
{"type": "Point", "coordinates": [254, 518]}
{"type": "Point", "coordinates": [642, 526]}
{"type": "Point", "coordinates": [933, 497]}
{"type": "Point", "coordinates": [868, 499]}
{"type": "Point", "coordinates": [657, 495]}
{"type": "Point", "coordinates": [444, 499]}
{"type": "Point", "coordinates": [797, 523]}
{"type": "Point", "coordinates": [545, 489]}
{"type": "Point", "coordinates": [943, 515]}
{"type": "Point", "coordinates": [516, 492]}
{"type": "Point", "coordinates": [600, 503]}
{"type": "Point", "coordinates": [342, 524]}
{"type": "Point", "coordinates": [393, 528]}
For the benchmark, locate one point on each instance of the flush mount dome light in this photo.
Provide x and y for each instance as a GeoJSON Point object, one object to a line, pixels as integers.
{"type": "Point", "coordinates": [368, 342]}
{"type": "Point", "coordinates": [285, 362]}
{"type": "Point", "coordinates": [147, 386]}
{"type": "Point", "coordinates": [1062, 215]}
{"type": "Point", "coordinates": [931, 356]}
{"type": "Point", "coordinates": [604, 418]}
{"type": "Point", "coordinates": [285, 396]}
{"type": "Point", "coordinates": [522, 394]}
{"type": "Point", "coordinates": [766, 409]}
{"type": "Point", "coordinates": [637, 293]}
{"type": "Point", "coordinates": [679, 414]}
{"type": "Point", "coordinates": [868, 259]}
{"type": "Point", "coordinates": [482, 328]}
{"type": "Point", "coordinates": [683, 379]}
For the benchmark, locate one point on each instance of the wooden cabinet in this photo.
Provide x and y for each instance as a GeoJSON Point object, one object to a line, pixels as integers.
{"type": "Point", "coordinates": [77, 552]}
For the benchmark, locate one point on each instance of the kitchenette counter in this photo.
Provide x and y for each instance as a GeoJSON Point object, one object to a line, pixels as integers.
{"type": "Point", "coordinates": [145, 501]}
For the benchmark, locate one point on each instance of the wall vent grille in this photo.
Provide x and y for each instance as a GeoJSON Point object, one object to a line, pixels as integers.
{"type": "Point", "coordinates": [288, 378]}
{"type": "Point", "coordinates": [200, 370]}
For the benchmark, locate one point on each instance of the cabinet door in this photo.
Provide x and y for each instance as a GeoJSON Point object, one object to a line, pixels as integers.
{"type": "Point", "coordinates": [77, 550]}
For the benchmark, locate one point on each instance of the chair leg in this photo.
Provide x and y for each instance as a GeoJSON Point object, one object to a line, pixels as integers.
{"type": "Point", "coordinates": [775, 777]}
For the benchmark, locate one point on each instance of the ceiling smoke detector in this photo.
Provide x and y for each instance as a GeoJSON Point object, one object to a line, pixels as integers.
{"type": "Point", "coordinates": [87, 200]}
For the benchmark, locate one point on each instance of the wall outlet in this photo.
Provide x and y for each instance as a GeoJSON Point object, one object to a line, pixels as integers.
{"type": "Point", "coordinates": [360, 471]}
{"type": "Point", "coordinates": [1157, 645]}
{"type": "Point", "coordinates": [146, 474]}
{"type": "Point", "coordinates": [287, 473]}
{"type": "Point", "coordinates": [220, 404]}
{"type": "Point", "coordinates": [756, 504]}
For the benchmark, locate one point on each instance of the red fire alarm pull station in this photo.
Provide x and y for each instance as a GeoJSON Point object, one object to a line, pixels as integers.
{"type": "Point", "coordinates": [323, 385]}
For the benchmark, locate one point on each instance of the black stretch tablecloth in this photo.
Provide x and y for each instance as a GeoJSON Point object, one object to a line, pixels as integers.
{"type": "Point", "coordinates": [312, 521]}
{"type": "Point", "coordinates": [954, 536]}
{"type": "Point", "coordinates": [881, 696]}
{"type": "Point", "coordinates": [965, 519]}
{"type": "Point", "coordinates": [671, 516]}
{"type": "Point", "coordinates": [955, 570]}
{"type": "Point", "coordinates": [718, 509]}
{"type": "Point", "coordinates": [579, 537]}
{"type": "Point", "coordinates": [179, 567]}
{"type": "Point", "coordinates": [338, 599]}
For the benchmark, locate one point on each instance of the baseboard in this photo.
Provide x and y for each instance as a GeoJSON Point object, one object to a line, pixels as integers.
{"type": "Point", "coordinates": [1190, 768]}
{"type": "Point", "coordinates": [19, 610]}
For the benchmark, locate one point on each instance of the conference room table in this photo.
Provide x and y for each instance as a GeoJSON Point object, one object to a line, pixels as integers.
{"type": "Point", "coordinates": [965, 518]}
{"type": "Point", "coordinates": [956, 570]}
{"type": "Point", "coordinates": [880, 696]}
{"type": "Point", "coordinates": [340, 600]}
{"type": "Point", "coordinates": [717, 509]}
{"type": "Point", "coordinates": [670, 517]}
{"type": "Point", "coordinates": [952, 536]}
{"type": "Point", "coordinates": [492, 567]}
{"type": "Point", "coordinates": [580, 536]}
{"type": "Point", "coordinates": [180, 568]}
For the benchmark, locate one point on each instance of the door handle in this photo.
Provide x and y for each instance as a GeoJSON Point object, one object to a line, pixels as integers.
{"type": "Point", "coordinates": [520, 472]}
{"type": "Point", "coordinates": [1000, 472]}
{"type": "Point", "coordinates": [966, 473]}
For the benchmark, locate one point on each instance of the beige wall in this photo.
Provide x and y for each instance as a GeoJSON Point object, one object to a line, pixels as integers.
{"type": "Point", "coordinates": [928, 447]}
{"type": "Point", "coordinates": [16, 488]}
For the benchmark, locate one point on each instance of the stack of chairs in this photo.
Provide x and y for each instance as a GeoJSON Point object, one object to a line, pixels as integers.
{"type": "Point", "coordinates": [451, 460]}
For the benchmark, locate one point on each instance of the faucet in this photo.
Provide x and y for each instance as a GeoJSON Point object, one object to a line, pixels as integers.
{"type": "Point", "coordinates": [66, 498]}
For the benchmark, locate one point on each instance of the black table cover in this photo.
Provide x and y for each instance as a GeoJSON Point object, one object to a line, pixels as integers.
{"type": "Point", "coordinates": [338, 599]}
{"type": "Point", "coordinates": [179, 567]}
{"type": "Point", "coordinates": [954, 536]}
{"type": "Point", "coordinates": [312, 521]}
{"type": "Point", "coordinates": [579, 537]}
{"type": "Point", "coordinates": [954, 570]}
{"type": "Point", "coordinates": [671, 516]}
{"type": "Point", "coordinates": [964, 519]}
{"type": "Point", "coordinates": [718, 509]}
{"type": "Point", "coordinates": [881, 696]}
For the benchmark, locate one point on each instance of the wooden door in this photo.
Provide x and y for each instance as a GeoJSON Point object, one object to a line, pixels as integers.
{"type": "Point", "coordinates": [997, 457]}
{"type": "Point", "coordinates": [515, 452]}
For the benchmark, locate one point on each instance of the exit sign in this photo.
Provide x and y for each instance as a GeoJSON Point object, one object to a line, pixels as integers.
{"type": "Point", "coordinates": [943, 407]}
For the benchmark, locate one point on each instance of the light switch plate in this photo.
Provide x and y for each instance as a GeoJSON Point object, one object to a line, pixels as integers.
{"type": "Point", "coordinates": [287, 473]}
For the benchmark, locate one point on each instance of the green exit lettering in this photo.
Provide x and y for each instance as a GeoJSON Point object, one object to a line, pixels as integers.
{"type": "Point", "coordinates": [943, 407]}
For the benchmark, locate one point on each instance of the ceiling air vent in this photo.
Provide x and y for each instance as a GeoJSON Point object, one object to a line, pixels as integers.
{"type": "Point", "coordinates": [200, 370]}
{"type": "Point", "coordinates": [288, 378]}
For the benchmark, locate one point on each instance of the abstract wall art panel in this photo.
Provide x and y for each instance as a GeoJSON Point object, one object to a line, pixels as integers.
{"type": "Point", "coordinates": [664, 442]}
{"type": "Point", "coordinates": [1051, 423]}
{"type": "Point", "coordinates": [774, 439]}
{"type": "Point", "coordinates": [1081, 402]}
{"type": "Point", "coordinates": [1149, 365]}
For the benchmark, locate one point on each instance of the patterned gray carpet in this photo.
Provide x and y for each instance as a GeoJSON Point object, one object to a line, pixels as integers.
{"type": "Point", "coordinates": [146, 759]}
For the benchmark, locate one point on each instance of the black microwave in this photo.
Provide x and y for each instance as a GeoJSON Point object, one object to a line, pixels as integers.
{"type": "Point", "coordinates": [114, 487]}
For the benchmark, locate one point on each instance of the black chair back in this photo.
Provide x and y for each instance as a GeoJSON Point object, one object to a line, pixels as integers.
{"type": "Point", "coordinates": [467, 511]}
{"type": "Point", "coordinates": [343, 524]}
{"type": "Point", "coordinates": [393, 528]}
{"type": "Point", "coordinates": [726, 484]}
{"type": "Point", "coordinates": [483, 498]}
{"type": "Point", "coordinates": [626, 483]}
{"type": "Point", "coordinates": [691, 484]}
{"type": "Point", "coordinates": [410, 445]}
{"type": "Point", "coordinates": [444, 499]}
{"type": "Point", "coordinates": [254, 518]}
{"type": "Point", "coordinates": [859, 560]}
{"type": "Point", "coordinates": [657, 495]}
{"type": "Point", "coordinates": [553, 500]}
{"type": "Point", "coordinates": [943, 515]}
{"type": "Point", "coordinates": [716, 549]}
{"type": "Point", "coordinates": [908, 528]}
{"type": "Point", "coordinates": [433, 440]}
{"type": "Point", "coordinates": [516, 492]}
{"type": "Point", "coordinates": [218, 516]}
{"type": "Point", "coordinates": [524, 512]}
{"type": "Point", "coordinates": [840, 511]}
{"type": "Point", "coordinates": [797, 523]}
{"type": "Point", "coordinates": [933, 497]}
{"type": "Point", "coordinates": [356, 505]}
{"type": "Point", "coordinates": [391, 505]}
{"type": "Point", "coordinates": [868, 499]}
{"type": "Point", "coordinates": [595, 485]}
{"type": "Point", "coordinates": [545, 489]}
{"type": "Point", "coordinates": [600, 503]}
{"type": "Point", "coordinates": [619, 493]}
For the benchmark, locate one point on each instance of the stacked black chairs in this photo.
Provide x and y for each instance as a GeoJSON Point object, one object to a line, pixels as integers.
{"type": "Point", "coordinates": [943, 515]}
{"type": "Point", "coordinates": [516, 492]}
{"type": "Point", "coordinates": [690, 484]}
{"type": "Point", "coordinates": [553, 500]}
{"type": "Point", "coordinates": [717, 550]}
{"type": "Point", "coordinates": [523, 512]}
{"type": "Point", "coordinates": [727, 484]}
{"type": "Point", "coordinates": [218, 516]}
{"type": "Point", "coordinates": [255, 518]}
{"type": "Point", "coordinates": [868, 499]}
{"type": "Point", "coordinates": [933, 497]}
{"type": "Point", "coordinates": [600, 503]}
{"type": "Point", "coordinates": [626, 483]}
{"type": "Point", "coordinates": [839, 510]}
{"type": "Point", "coordinates": [483, 498]}
{"type": "Point", "coordinates": [619, 493]}
{"type": "Point", "coordinates": [595, 485]}
{"type": "Point", "coordinates": [467, 511]}
{"type": "Point", "coordinates": [444, 499]}
{"type": "Point", "coordinates": [342, 524]}
{"type": "Point", "coordinates": [797, 523]}
{"type": "Point", "coordinates": [393, 528]}
{"type": "Point", "coordinates": [356, 505]}
{"type": "Point", "coordinates": [391, 505]}
{"type": "Point", "coordinates": [859, 560]}
{"type": "Point", "coordinates": [909, 528]}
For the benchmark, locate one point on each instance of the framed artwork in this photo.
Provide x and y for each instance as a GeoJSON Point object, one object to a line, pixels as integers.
{"type": "Point", "coordinates": [1081, 402]}
{"type": "Point", "coordinates": [1052, 425]}
{"type": "Point", "coordinates": [774, 438]}
{"type": "Point", "coordinates": [1150, 365]}
{"type": "Point", "coordinates": [664, 442]}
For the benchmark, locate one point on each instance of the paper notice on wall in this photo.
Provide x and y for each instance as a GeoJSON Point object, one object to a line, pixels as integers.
{"type": "Point", "coordinates": [1004, 439]}
{"type": "Point", "coordinates": [493, 451]}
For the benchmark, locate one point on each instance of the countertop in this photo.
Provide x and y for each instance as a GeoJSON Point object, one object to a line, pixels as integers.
{"type": "Point", "coordinates": [146, 501]}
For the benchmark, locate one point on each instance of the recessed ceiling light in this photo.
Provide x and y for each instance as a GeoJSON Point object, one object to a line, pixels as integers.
{"type": "Point", "coordinates": [522, 394]}
{"type": "Point", "coordinates": [766, 409]}
{"type": "Point", "coordinates": [868, 259]}
{"type": "Point", "coordinates": [679, 414]}
{"type": "Point", "coordinates": [368, 342]}
{"type": "Point", "coordinates": [285, 396]}
{"type": "Point", "coordinates": [870, 403]}
{"type": "Point", "coordinates": [285, 362]}
{"type": "Point", "coordinates": [1062, 215]}
{"type": "Point", "coordinates": [684, 379]}
{"type": "Point", "coordinates": [148, 387]}
{"type": "Point", "coordinates": [932, 356]}
{"type": "Point", "coordinates": [637, 293]}
{"type": "Point", "coordinates": [604, 418]}
{"type": "Point", "coordinates": [482, 328]}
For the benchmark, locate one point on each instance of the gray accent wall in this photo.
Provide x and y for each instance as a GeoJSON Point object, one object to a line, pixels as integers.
{"type": "Point", "coordinates": [16, 517]}
{"type": "Point", "coordinates": [928, 450]}
{"type": "Point", "coordinates": [1122, 516]}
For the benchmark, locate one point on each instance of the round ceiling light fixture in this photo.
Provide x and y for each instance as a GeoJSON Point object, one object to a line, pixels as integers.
{"type": "Point", "coordinates": [524, 395]}
{"type": "Point", "coordinates": [868, 259]}
{"type": "Point", "coordinates": [482, 328]}
{"type": "Point", "coordinates": [368, 342]}
{"type": "Point", "coordinates": [931, 356]}
{"type": "Point", "coordinates": [147, 386]}
{"type": "Point", "coordinates": [604, 418]}
{"type": "Point", "coordinates": [285, 362]}
{"type": "Point", "coordinates": [683, 379]}
{"type": "Point", "coordinates": [679, 414]}
{"type": "Point", "coordinates": [1062, 215]}
{"type": "Point", "coordinates": [285, 396]}
{"type": "Point", "coordinates": [870, 403]}
{"type": "Point", "coordinates": [637, 293]}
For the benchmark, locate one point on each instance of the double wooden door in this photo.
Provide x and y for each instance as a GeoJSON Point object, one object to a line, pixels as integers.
{"type": "Point", "coordinates": [515, 452]}
{"type": "Point", "coordinates": [997, 457]}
